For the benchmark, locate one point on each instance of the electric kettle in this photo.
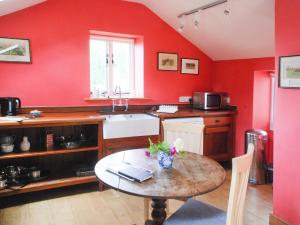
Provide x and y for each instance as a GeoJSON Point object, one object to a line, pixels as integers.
{"type": "Point", "coordinates": [10, 106]}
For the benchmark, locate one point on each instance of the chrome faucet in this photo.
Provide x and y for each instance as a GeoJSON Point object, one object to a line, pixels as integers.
{"type": "Point", "coordinates": [120, 99]}
{"type": "Point", "coordinates": [120, 94]}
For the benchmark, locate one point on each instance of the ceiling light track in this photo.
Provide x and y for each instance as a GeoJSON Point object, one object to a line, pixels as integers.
{"type": "Point", "coordinates": [207, 6]}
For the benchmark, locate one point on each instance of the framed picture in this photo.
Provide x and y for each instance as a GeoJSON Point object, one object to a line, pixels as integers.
{"type": "Point", "coordinates": [14, 50]}
{"type": "Point", "coordinates": [189, 66]}
{"type": "Point", "coordinates": [167, 61]}
{"type": "Point", "coordinates": [289, 71]}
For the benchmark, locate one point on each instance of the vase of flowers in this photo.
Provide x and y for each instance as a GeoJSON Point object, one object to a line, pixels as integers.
{"type": "Point", "coordinates": [165, 160]}
{"type": "Point", "coordinates": [165, 153]}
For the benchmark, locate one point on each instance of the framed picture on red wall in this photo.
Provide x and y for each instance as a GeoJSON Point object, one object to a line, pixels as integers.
{"type": "Point", "coordinates": [190, 66]}
{"type": "Point", "coordinates": [289, 71]}
{"type": "Point", "coordinates": [14, 50]}
{"type": "Point", "coordinates": [167, 61]}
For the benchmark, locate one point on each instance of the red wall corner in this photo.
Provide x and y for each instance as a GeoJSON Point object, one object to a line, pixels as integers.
{"type": "Point", "coordinates": [237, 78]}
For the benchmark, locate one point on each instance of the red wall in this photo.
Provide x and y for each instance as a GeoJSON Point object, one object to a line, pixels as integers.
{"type": "Point", "coordinates": [261, 100]}
{"type": "Point", "coordinates": [59, 34]}
{"type": "Point", "coordinates": [287, 124]}
{"type": "Point", "coordinates": [262, 107]}
{"type": "Point", "coordinates": [237, 78]}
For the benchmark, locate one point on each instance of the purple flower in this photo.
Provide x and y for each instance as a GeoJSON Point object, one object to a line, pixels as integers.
{"type": "Point", "coordinates": [147, 153]}
{"type": "Point", "coordinates": [173, 151]}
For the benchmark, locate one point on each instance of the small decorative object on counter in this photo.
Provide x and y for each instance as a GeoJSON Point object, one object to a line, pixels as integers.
{"type": "Point", "coordinates": [165, 153]}
{"type": "Point", "coordinates": [35, 113]}
{"type": "Point", "coordinates": [25, 144]}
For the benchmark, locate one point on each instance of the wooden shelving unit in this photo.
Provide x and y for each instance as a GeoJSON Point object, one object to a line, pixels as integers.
{"type": "Point", "coordinates": [58, 163]}
{"type": "Point", "coordinates": [48, 184]}
{"type": "Point", "coordinates": [34, 153]}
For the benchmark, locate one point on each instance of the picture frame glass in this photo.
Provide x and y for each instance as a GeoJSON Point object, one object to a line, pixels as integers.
{"type": "Point", "coordinates": [14, 50]}
{"type": "Point", "coordinates": [289, 72]}
{"type": "Point", "coordinates": [167, 61]}
{"type": "Point", "coordinates": [190, 66]}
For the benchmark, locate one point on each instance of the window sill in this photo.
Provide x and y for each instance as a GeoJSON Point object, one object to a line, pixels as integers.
{"type": "Point", "coordinates": [109, 99]}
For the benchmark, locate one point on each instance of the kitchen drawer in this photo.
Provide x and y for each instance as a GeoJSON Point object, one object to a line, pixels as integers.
{"type": "Point", "coordinates": [216, 121]}
{"type": "Point", "coordinates": [119, 144]}
{"type": "Point", "coordinates": [216, 129]}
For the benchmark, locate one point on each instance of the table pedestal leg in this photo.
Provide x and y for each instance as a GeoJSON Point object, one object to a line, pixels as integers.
{"type": "Point", "coordinates": [158, 212]}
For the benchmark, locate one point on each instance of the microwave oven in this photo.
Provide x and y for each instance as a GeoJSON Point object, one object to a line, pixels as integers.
{"type": "Point", "coordinates": [210, 100]}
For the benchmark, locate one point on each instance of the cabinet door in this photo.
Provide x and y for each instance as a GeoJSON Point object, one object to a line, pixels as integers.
{"type": "Point", "coordinates": [218, 139]}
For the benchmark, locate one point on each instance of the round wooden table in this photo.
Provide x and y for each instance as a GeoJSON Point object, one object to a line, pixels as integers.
{"type": "Point", "coordinates": [190, 176]}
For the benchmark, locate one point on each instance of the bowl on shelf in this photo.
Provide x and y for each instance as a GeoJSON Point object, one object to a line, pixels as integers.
{"type": "Point", "coordinates": [71, 144]}
{"type": "Point", "coordinates": [7, 139]}
{"type": "Point", "coordinates": [7, 148]}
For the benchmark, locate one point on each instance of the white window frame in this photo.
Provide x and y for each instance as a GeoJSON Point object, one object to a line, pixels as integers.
{"type": "Point", "coordinates": [109, 72]}
{"type": "Point", "coordinates": [272, 105]}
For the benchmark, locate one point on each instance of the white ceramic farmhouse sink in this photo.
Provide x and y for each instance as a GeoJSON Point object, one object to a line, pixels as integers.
{"type": "Point", "coordinates": [130, 125]}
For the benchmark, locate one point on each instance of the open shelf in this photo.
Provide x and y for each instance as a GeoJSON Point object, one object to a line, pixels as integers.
{"type": "Point", "coordinates": [45, 152]}
{"type": "Point", "coordinates": [49, 184]}
{"type": "Point", "coordinates": [58, 166]}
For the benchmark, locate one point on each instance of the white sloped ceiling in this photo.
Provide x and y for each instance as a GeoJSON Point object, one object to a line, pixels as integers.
{"type": "Point", "coordinates": [10, 6]}
{"type": "Point", "coordinates": [247, 32]}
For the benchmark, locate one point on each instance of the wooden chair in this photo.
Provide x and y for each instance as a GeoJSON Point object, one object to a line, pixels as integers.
{"type": "Point", "coordinates": [195, 212]}
{"type": "Point", "coordinates": [190, 133]}
{"type": "Point", "coordinates": [192, 136]}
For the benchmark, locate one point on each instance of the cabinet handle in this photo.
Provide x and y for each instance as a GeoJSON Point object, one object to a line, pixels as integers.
{"type": "Point", "coordinates": [217, 121]}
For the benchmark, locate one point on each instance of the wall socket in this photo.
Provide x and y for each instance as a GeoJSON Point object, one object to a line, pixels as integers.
{"type": "Point", "coordinates": [184, 98]}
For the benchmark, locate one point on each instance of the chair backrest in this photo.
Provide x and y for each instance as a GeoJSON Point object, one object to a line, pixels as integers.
{"type": "Point", "coordinates": [190, 133]}
{"type": "Point", "coordinates": [239, 181]}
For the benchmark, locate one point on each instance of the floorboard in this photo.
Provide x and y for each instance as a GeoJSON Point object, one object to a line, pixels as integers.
{"type": "Point", "coordinates": [84, 205]}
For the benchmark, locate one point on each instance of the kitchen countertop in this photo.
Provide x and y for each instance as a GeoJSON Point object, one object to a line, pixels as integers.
{"type": "Point", "coordinates": [95, 117]}
{"type": "Point", "coordinates": [193, 113]}
{"type": "Point", "coordinates": [55, 118]}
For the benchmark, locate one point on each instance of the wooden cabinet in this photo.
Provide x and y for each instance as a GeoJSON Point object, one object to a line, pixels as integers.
{"type": "Point", "coordinates": [57, 164]}
{"type": "Point", "coordinates": [219, 137]}
{"type": "Point", "coordinates": [219, 131]}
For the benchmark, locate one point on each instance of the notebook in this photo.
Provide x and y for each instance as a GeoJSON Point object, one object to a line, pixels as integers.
{"type": "Point", "coordinates": [131, 172]}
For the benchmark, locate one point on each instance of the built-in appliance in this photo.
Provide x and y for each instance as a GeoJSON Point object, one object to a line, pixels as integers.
{"type": "Point", "coordinates": [171, 136]}
{"type": "Point", "coordinates": [210, 100]}
{"type": "Point", "coordinates": [10, 106]}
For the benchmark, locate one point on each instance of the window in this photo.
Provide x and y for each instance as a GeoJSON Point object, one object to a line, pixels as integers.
{"type": "Point", "coordinates": [112, 68]}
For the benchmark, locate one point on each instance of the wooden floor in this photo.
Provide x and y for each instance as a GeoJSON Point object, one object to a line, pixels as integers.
{"type": "Point", "coordinates": [114, 208]}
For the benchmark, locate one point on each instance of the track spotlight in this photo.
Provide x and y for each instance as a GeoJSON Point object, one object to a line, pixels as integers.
{"type": "Point", "coordinates": [181, 23]}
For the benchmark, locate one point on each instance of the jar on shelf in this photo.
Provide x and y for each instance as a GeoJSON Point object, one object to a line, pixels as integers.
{"type": "Point", "coordinates": [25, 144]}
{"type": "Point", "coordinates": [49, 139]}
